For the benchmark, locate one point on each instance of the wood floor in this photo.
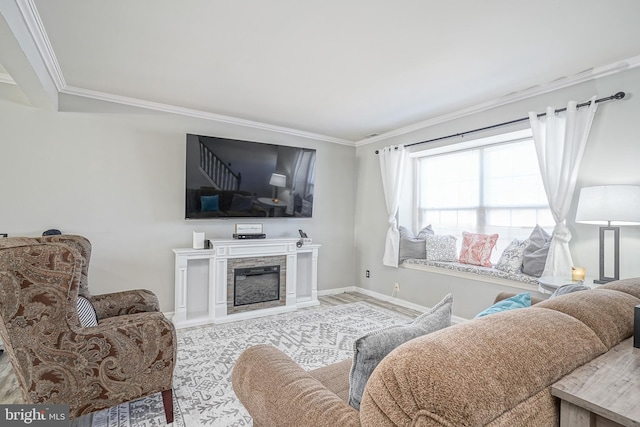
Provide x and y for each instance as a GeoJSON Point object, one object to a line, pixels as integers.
{"type": "Point", "coordinates": [10, 393]}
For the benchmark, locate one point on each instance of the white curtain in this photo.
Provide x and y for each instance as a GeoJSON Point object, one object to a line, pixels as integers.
{"type": "Point", "coordinates": [392, 168]}
{"type": "Point", "coordinates": [560, 140]}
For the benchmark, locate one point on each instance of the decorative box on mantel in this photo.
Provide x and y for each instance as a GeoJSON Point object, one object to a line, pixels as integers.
{"type": "Point", "coordinates": [241, 279]}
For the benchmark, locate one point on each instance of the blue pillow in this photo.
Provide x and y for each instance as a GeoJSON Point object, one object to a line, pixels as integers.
{"type": "Point", "coordinates": [209, 203]}
{"type": "Point", "coordinates": [518, 301]}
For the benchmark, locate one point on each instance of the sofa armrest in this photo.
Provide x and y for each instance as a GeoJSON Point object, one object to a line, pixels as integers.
{"type": "Point", "coordinates": [125, 302]}
{"type": "Point", "coordinates": [277, 391]}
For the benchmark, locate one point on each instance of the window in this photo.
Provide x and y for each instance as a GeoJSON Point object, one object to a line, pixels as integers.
{"type": "Point", "coordinates": [485, 186]}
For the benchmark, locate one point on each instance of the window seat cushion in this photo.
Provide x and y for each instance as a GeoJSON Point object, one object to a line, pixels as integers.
{"type": "Point", "coordinates": [476, 269]}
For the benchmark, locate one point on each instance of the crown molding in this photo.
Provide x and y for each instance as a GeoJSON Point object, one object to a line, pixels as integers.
{"type": "Point", "coordinates": [35, 27]}
{"type": "Point", "coordinates": [166, 108]}
{"type": "Point", "coordinates": [585, 76]}
{"type": "Point", "coordinates": [36, 30]}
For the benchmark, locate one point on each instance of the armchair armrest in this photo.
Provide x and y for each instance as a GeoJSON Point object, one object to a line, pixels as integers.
{"type": "Point", "coordinates": [121, 359]}
{"type": "Point", "coordinates": [277, 391]}
{"type": "Point", "coordinates": [125, 302]}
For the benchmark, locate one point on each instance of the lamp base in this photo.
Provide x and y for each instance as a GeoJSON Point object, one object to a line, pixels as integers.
{"type": "Point", "coordinates": [603, 281]}
{"type": "Point", "coordinates": [613, 235]}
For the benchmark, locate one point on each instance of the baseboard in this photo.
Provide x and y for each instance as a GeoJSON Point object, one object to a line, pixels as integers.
{"type": "Point", "coordinates": [387, 298]}
{"type": "Point", "coordinates": [383, 297]}
{"type": "Point", "coordinates": [337, 291]}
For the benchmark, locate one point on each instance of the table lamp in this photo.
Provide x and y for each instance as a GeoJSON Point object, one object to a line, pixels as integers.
{"type": "Point", "coordinates": [609, 206]}
{"type": "Point", "coordinates": [277, 180]}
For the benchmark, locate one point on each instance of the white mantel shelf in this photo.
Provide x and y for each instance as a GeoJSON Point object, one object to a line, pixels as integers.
{"type": "Point", "coordinates": [201, 279]}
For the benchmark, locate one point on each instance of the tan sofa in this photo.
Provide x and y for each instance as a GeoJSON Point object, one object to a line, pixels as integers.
{"type": "Point", "coordinates": [492, 371]}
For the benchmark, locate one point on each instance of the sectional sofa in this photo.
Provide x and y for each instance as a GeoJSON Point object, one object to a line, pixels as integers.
{"type": "Point", "coordinates": [492, 371]}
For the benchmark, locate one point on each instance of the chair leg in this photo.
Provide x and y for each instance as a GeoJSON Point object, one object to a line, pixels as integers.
{"type": "Point", "coordinates": [167, 401]}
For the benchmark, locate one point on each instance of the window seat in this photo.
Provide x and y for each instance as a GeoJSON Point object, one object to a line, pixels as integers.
{"type": "Point", "coordinates": [481, 273]}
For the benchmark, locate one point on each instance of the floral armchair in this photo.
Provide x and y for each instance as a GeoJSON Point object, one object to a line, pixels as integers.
{"type": "Point", "coordinates": [129, 354]}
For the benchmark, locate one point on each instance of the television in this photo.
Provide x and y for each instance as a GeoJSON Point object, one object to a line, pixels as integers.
{"type": "Point", "coordinates": [230, 178]}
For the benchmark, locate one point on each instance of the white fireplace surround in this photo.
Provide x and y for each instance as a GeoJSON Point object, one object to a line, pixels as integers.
{"type": "Point", "coordinates": [201, 279]}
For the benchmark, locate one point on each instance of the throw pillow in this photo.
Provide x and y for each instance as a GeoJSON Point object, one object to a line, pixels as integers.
{"type": "Point", "coordinates": [441, 248]}
{"type": "Point", "coordinates": [86, 313]}
{"type": "Point", "coordinates": [210, 203]}
{"type": "Point", "coordinates": [241, 203]}
{"type": "Point", "coordinates": [511, 259]}
{"type": "Point", "coordinates": [567, 289]}
{"type": "Point", "coordinates": [535, 254]}
{"type": "Point", "coordinates": [413, 246]}
{"type": "Point", "coordinates": [476, 248]}
{"type": "Point", "coordinates": [370, 349]}
{"type": "Point", "coordinates": [518, 301]}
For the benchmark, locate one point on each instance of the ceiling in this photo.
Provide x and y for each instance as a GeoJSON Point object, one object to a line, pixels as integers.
{"type": "Point", "coordinates": [338, 70]}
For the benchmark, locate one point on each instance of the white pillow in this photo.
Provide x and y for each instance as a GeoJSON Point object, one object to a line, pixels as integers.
{"type": "Point", "coordinates": [441, 248]}
{"type": "Point", "coordinates": [511, 259]}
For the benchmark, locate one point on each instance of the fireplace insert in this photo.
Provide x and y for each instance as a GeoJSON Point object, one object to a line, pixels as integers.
{"type": "Point", "coordinates": [254, 285]}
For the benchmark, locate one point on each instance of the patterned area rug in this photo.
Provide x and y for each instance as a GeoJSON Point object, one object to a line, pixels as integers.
{"type": "Point", "coordinates": [203, 395]}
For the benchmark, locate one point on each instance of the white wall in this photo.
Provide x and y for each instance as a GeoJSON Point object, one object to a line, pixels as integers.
{"type": "Point", "coordinates": [612, 157]}
{"type": "Point", "coordinates": [118, 178]}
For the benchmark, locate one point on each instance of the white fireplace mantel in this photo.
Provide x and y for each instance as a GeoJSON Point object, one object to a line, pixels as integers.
{"type": "Point", "coordinates": [201, 279]}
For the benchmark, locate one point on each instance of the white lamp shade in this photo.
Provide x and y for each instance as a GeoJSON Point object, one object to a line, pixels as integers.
{"type": "Point", "coordinates": [278, 180]}
{"type": "Point", "coordinates": [617, 204]}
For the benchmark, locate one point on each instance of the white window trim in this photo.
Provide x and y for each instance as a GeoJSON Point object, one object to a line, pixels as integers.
{"type": "Point", "coordinates": [516, 136]}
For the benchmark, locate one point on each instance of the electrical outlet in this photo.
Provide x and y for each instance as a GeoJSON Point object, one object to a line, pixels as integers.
{"type": "Point", "coordinates": [367, 274]}
{"type": "Point", "coordinates": [396, 287]}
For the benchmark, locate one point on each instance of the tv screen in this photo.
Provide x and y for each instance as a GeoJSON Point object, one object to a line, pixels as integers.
{"type": "Point", "coordinates": [229, 178]}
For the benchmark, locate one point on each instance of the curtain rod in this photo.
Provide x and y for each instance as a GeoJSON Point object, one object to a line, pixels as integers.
{"type": "Point", "coordinates": [616, 96]}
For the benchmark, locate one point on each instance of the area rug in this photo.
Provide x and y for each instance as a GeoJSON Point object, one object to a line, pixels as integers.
{"type": "Point", "coordinates": [203, 395]}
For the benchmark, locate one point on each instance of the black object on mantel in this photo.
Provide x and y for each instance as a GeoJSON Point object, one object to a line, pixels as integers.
{"type": "Point", "coordinates": [636, 327]}
{"type": "Point", "coordinates": [250, 236]}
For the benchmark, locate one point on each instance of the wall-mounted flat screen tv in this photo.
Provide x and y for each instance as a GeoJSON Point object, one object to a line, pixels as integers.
{"type": "Point", "coordinates": [229, 178]}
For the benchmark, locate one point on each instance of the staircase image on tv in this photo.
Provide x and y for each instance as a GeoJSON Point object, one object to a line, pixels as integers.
{"type": "Point", "coordinates": [221, 176]}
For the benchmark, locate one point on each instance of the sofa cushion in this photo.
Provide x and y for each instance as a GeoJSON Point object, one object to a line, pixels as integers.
{"type": "Point", "coordinates": [476, 248]}
{"type": "Point", "coordinates": [413, 246]}
{"type": "Point", "coordinates": [441, 248]}
{"type": "Point", "coordinates": [371, 348]}
{"type": "Point", "coordinates": [511, 259]}
{"type": "Point", "coordinates": [522, 300]}
{"type": "Point", "coordinates": [629, 286]}
{"type": "Point", "coordinates": [535, 254]}
{"type": "Point", "coordinates": [335, 377]}
{"type": "Point", "coordinates": [605, 311]}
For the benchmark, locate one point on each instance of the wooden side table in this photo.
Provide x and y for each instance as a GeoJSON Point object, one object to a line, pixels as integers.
{"type": "Point", "coordinates": [604, 392]}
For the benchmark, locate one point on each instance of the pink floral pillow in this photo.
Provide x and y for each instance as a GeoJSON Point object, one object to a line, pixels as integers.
{"type": "Point", "coordinates": [476, 248]}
